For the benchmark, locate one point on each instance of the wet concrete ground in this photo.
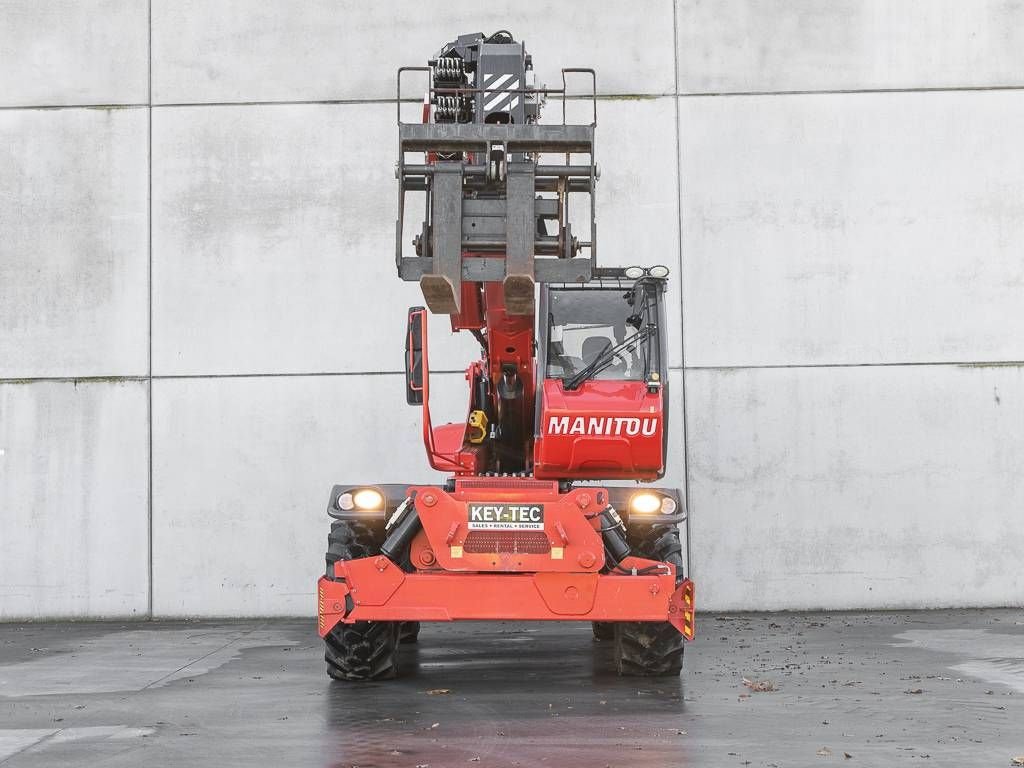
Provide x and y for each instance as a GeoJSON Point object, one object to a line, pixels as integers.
{"type": "Point", "coordinates": [933, 689]}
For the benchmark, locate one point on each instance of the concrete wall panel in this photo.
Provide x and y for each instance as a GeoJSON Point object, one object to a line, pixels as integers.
{"type": "Point", "coordinates": [859, 244]}
{"type": "Point", "coordinates": [273, 243]}
{"type": "Point", "coordinates": [74, 251]}
{"type": "Point", "coordinates": [638, 194]}
{"type": "Point", "coordinates": [73, 500]}
{"type": "Point", "coordinates": [58, 52]}
{"type": "Point", "coordinates": [787, 45]}
{"type": "Point", "coordinates": [873, 228]}
{"type": "Point", "coordinates": [228, 50]}
{"type": "Point", "coordinates": [878, 487]}
{"type": "Point", "coordinates": [242, 469]}
{"type": "Point", "coordinates": [273, 234]}
{"type": "Point", "coordinates": [675, 467]}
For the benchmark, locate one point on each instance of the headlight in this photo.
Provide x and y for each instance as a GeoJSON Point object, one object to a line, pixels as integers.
{"type": "Point", "coordinates": [634, 273]}
{"type": "Point", "coordinates": [658, 271]}
{"type": "Point", "coordinates": [345, 502]}
{"type": "Point", "coordinates": [368, 498]}
{"type": "Point", "coordinates": [645, 503]}
{"type": "Point", "coordinates": [668, 505]}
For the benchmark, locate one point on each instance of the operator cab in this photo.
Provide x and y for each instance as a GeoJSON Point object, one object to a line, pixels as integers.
{"type": "Point", "coordinates": [602, 379]}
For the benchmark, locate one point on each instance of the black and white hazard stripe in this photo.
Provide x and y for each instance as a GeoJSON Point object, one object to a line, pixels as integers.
{"type": "Point", "coordinates": [497, 96]}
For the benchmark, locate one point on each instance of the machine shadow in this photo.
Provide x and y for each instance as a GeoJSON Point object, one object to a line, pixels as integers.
{"type": "Point", "coordinates": [518, 695]}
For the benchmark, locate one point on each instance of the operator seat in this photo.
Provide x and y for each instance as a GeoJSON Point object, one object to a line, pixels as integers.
{"type": "Point", "coordinates": [593, 346]}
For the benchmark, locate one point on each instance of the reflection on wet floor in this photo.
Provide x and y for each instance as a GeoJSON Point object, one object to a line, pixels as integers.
{"type": "Point", "coordinates": [997, 658]}
{"type": "Point", "coordinates": [520, 706]}
{"type": "Point", "coordinates": [936, 688]}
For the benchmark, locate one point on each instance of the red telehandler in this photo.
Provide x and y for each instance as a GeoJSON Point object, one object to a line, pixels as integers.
{"type": "Point", "coordinates": [570, 392]}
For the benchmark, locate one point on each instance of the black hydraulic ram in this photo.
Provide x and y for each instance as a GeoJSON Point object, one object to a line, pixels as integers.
{"type": "Point", "coordinates": [401, 529]}
{"type": "Point", "coordinates": [613, 532]}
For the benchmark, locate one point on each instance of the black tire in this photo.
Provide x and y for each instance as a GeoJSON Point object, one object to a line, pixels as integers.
{"type": "Point", "coordinates": [365, 650]}
{"type": "Point", "coordinates": [651, 648]}
{"type": "Point", "coordinates": [410, 632]}
{"type": "Point", "coordinates": [603, 630]}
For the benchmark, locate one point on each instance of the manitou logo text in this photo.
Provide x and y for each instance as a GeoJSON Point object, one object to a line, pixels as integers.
{"type": "Point", "coordinates": [602, 425]}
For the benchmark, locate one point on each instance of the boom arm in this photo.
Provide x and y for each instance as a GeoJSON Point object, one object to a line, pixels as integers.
{"type": "Point", "coordinates": [489, 205]}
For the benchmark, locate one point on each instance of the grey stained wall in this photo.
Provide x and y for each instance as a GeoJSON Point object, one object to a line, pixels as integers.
{"type": "Point", "coordinates": [200, 327]}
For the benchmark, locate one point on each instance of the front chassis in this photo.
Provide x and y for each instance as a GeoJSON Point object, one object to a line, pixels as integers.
{"type": "Point", "coordinates": [444, 577]}
{"type": "Point", "coordinates": [376, 589]}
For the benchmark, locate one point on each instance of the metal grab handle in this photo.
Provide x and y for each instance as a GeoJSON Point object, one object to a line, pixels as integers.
{"type": "Point", "coordinates": [398, 88]}
{"type": "Point", "coordinates": [575, 171]}
{"type": "Point", "coordinates": [593, 91]}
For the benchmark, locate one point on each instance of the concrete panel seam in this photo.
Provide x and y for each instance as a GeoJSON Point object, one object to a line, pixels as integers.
{"type": "Point", "coordinates": [320, 374]}
{"type": "Point", "coordinates": [185, 376]}
{"type": "Point", "coordinates": [679, 262]}
{"type": "Point", "coordinates": [149, 285]}
{"type": "Point", "coordinates": [853, 91]}
{"type": "Point", "coordinates": [297, 375]}
{"type": "Point", "coordinates": [918, 364]}
{"type": "Point", "coordinates": [405, 100]}
{"type": "Point", "coordinates": [71, 379]}
{"type": "Point", "coordinates": [295, 103]}
{"type": "Point", "coordinates": [601, 97]}
{"type": "Point", "coordinates": [191, 662]}
{"type": "Point", "coordinates": [58, 107]}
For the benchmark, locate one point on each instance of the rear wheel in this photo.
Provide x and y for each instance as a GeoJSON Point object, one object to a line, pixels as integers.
{"type": "Point", "coordinates": [365, 650]}
{"type": "Point", "coordinates": [651, 648]}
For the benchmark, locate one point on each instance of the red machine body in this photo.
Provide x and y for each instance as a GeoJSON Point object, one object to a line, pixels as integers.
{"type": "Point", "coordinates": [569, 393]}
{"type": "Point", "coordinates": [603, 429]}
{"type": "Point", "coordinates": [509, 509]}
{"type": "Point", "coordinates": [387, 593]}
{"type": "Point", "coordinates": [470, 563]}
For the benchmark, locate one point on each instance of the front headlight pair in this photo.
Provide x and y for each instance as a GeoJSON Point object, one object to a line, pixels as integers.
{"type": "Point", "coordinates": [647, 503]}
{"type": "Point", "coordinates": [635, 273]}
{"type": "Point", "coordinates": [367, 499]}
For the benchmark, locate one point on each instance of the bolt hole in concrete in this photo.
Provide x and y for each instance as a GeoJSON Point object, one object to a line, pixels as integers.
{"type": "Point", "coordinates": [818, 687]}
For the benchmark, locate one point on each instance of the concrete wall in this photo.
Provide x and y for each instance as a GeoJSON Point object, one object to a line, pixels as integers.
{"type": "Point", "coordinates": [196, 199]}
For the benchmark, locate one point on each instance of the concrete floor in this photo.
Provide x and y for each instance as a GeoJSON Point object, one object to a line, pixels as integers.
{"type": "Point", "coordinates": [935, 688]}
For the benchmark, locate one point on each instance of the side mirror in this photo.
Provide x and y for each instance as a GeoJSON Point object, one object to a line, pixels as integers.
{"type": "Point", "coordinates": [415, 351]}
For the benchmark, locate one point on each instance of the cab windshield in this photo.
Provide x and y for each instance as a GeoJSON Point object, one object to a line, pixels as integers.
{"type": "Point", "coordinates": [602, 333]}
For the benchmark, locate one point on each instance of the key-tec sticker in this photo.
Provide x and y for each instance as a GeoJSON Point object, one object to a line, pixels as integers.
{"type": "Point", "coordinates": [489, 516]}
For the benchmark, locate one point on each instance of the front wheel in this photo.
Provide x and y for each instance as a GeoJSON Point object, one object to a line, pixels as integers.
{"type": "Point", "coordinates": [410, 632]}
{"type": "Point", "coordinates": [365, 650]}
{"type": "Point", "coordinates": [651, 648]}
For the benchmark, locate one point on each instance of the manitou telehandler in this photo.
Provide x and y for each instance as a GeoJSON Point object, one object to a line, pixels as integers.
{"type": "Point", "coordinates": [570, 391]}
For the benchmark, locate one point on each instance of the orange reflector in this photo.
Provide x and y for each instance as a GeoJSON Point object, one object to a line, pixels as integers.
{"type": "Point", "coordinates": [689, 629]}
{"type": "Point", "coordinates": [320, 608]}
